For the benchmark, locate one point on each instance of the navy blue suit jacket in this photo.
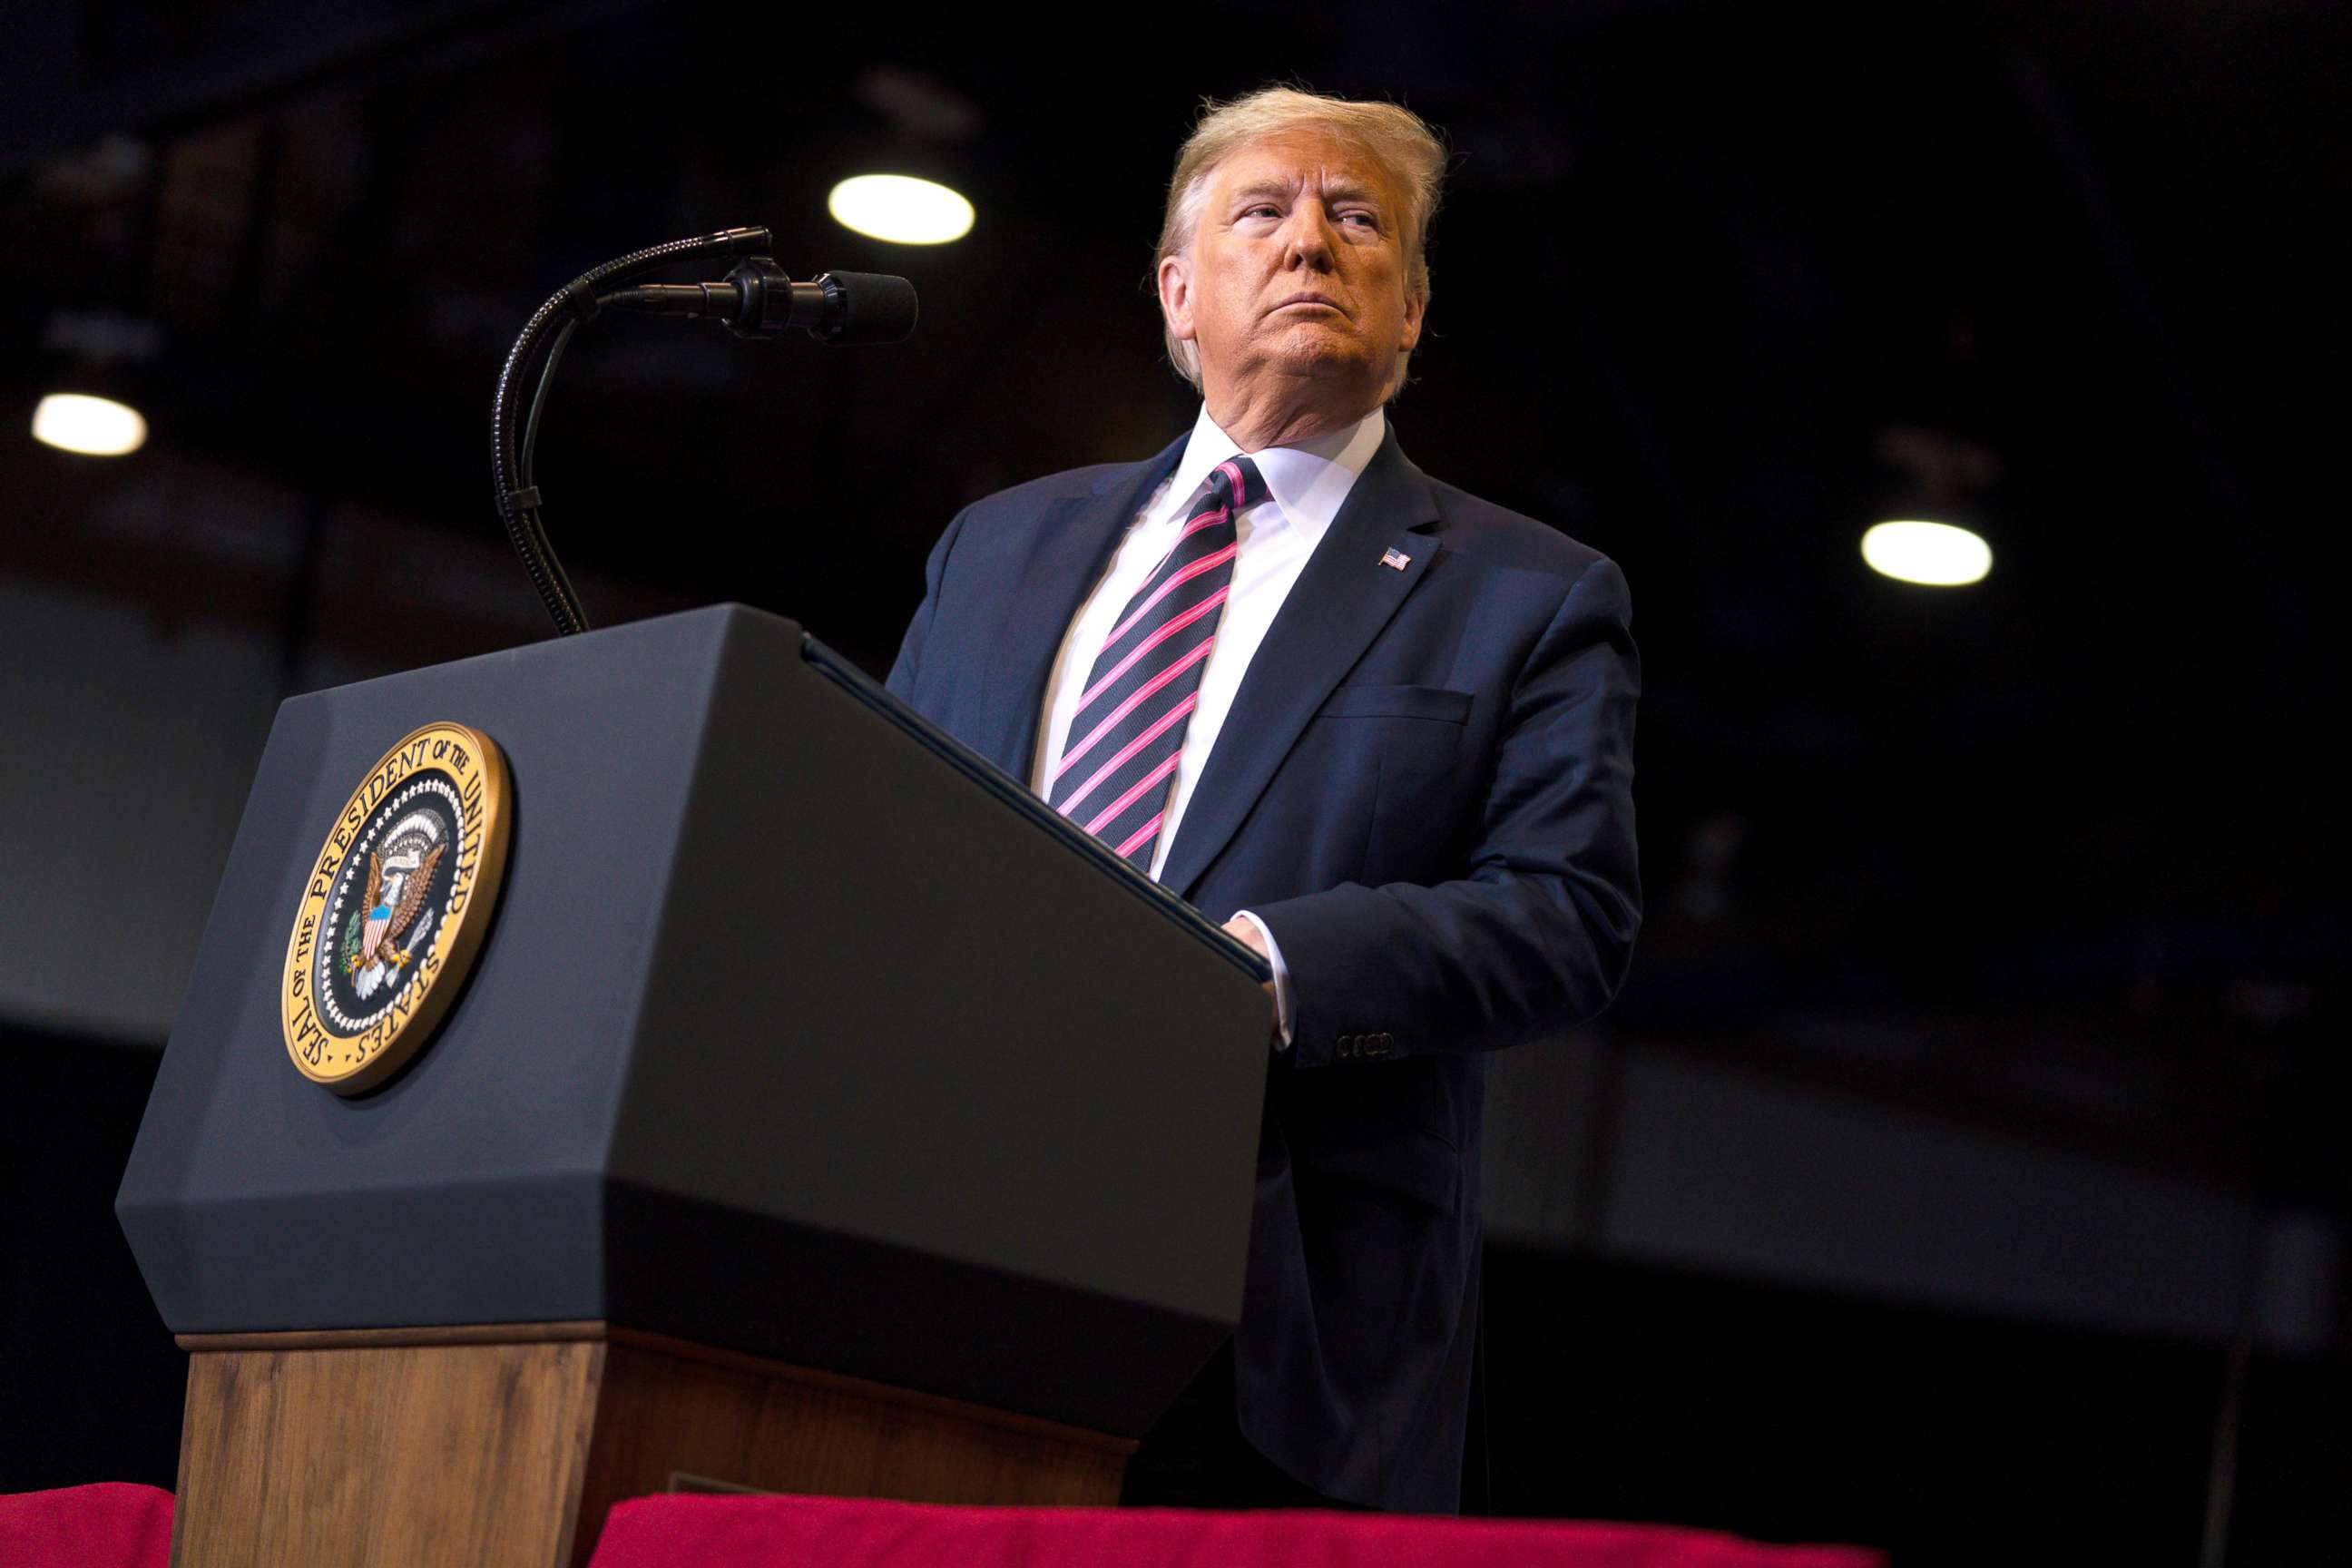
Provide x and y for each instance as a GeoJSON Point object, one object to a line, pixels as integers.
{"type": "Point", "coordinates": [1425, 788]}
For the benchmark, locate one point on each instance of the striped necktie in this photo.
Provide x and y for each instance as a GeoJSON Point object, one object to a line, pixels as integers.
{"type": "Point", "coordinates": [1129, 730]}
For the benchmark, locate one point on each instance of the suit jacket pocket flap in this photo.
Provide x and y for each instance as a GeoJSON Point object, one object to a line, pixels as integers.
{"type": "Point", "coordinates": [1398, 702]}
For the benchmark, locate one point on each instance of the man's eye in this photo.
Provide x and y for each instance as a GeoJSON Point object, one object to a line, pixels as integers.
{"type": "Point", "coordinates": [1361, 220]}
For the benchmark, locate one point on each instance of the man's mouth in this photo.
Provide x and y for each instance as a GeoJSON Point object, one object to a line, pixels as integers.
{"type": "Point", "coordinates": [1321, 301]}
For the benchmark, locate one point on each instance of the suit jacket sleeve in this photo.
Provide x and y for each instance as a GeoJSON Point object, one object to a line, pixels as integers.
{"type": "Point", "coordinates": [902, 682]}
{"type": "Point", "coordinates": [1537, 933]}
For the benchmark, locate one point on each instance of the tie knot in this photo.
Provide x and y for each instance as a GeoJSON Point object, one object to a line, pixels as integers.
{"type": "Point", "coordinates": [1235, 483]}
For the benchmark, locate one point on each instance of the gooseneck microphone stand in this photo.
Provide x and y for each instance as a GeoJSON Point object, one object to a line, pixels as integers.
{"type": "Point", "coordinates": [756, 300]}
{"type": "Point", "coordinates": [542, 340]}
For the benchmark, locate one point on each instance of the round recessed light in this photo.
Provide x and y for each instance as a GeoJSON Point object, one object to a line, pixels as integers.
{"type": "Point", "coordinates": [901, 208]}
{"type": "Point", "coordinates": [98, 426]}
{"type": "Point", "coordinates": [1935, 553]}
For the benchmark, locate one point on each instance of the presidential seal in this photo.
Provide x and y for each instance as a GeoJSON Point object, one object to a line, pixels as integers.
{"type": "Point", "coordinates": [395, 907]}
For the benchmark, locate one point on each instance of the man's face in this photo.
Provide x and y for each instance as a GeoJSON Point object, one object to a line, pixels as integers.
{"type": "Point", "coordinates": [1296, 272]}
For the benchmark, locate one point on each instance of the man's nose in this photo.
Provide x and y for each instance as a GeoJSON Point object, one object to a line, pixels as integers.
{"type": "Point", "coordinates": [1308, 239]}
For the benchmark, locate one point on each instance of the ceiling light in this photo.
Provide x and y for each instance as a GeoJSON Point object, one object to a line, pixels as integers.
{"type": "Point", "coordinates": [98, 426]}
{"type": "Point", "coordinates": [901, 208]}
{"type": "Point", "coordinates": [1935, 553]}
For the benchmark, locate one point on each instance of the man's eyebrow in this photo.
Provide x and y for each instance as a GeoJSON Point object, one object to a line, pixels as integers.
{"type": "Point", "coordinates": [1256, 189]}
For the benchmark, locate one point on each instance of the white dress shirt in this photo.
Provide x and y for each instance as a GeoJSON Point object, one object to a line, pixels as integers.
{"type": "Point", "coordinates": [1305, 486]}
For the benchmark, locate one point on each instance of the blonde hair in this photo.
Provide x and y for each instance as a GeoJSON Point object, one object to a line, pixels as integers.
{"type": "Point", "coordinates": [1398, 140]}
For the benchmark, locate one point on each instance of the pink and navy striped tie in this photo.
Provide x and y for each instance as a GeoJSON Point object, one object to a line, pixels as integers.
{"type": "Point", "coordinates": [1129, 732]}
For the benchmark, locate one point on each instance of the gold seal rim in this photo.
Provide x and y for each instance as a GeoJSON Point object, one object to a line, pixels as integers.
{"type": "Point", "coordinates": [453, 945]}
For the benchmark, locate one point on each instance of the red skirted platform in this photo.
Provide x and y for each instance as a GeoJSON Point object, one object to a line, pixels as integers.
{"type": "Point", "coordinates": [692, 1532]}
{"type": "Point", "coordinates": [111, 1525]}
{"type": "Point", "coordinates": [116, 1525]}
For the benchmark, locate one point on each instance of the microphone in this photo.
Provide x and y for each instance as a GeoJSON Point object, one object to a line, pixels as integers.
{"type": "Point", "coordinates": [757, 300]}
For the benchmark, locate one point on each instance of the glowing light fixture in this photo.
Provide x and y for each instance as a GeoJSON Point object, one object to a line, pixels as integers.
{"type": "Point", "coordinates": [901, 208]}
{"type": "Point", "coordinates": [1935, 553]}
{"type": "Point", "coordinates": [98, 426]}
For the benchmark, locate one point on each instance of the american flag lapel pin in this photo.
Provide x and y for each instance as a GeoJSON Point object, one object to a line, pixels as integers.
{"type": "Point", "coordinates": [1396, 560]}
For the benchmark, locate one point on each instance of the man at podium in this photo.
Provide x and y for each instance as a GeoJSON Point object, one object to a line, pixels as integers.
{"type": "Point", "coordinates": [1384, 726]}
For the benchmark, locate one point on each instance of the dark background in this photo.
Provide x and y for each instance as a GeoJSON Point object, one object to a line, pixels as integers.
{"type": "Point", "coordinates": [1961, 1170]}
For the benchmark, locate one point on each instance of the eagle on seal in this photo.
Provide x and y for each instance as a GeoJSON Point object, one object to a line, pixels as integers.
{"type": "Point", "coordinates": [386, 923]}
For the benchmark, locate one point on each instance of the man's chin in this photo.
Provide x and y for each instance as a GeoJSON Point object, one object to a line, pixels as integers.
{"type": "Point", "coordinates": [1311, 349]}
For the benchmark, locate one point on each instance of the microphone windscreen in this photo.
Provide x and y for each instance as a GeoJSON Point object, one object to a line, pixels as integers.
{"type": "Point", "coordinates": [876, 308]}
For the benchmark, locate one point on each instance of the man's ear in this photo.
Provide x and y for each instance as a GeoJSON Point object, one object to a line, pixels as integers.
{"type": "Point", "coordinates": [1175, 281]}
{"type": "Point", "coordinates": [1415, 307]}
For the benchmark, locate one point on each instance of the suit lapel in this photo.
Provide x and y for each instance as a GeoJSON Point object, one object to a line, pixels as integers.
{"type": "Point", "coordinates": [1074, 540]}
{"type": "Point", "coordinates": [1340, 601]}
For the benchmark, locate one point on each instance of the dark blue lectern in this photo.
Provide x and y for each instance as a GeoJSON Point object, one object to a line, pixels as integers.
{"type": "Point", "coordinates": [821, 1113]}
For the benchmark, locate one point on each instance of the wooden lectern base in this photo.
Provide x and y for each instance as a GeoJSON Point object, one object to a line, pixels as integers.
{"type": "Point", "coordinates": [481, 1447]}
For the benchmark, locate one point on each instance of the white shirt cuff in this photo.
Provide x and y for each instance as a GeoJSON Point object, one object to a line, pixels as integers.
{"type": "Point", "coordinates": [1281, 976]}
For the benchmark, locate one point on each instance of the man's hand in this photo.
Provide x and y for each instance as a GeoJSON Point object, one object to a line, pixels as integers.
{"type": "Point", "coordinates": [1247, 933]}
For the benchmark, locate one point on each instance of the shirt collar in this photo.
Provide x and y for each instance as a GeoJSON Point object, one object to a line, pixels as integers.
{"type": "Point", "coordinates": [1307, 481]}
